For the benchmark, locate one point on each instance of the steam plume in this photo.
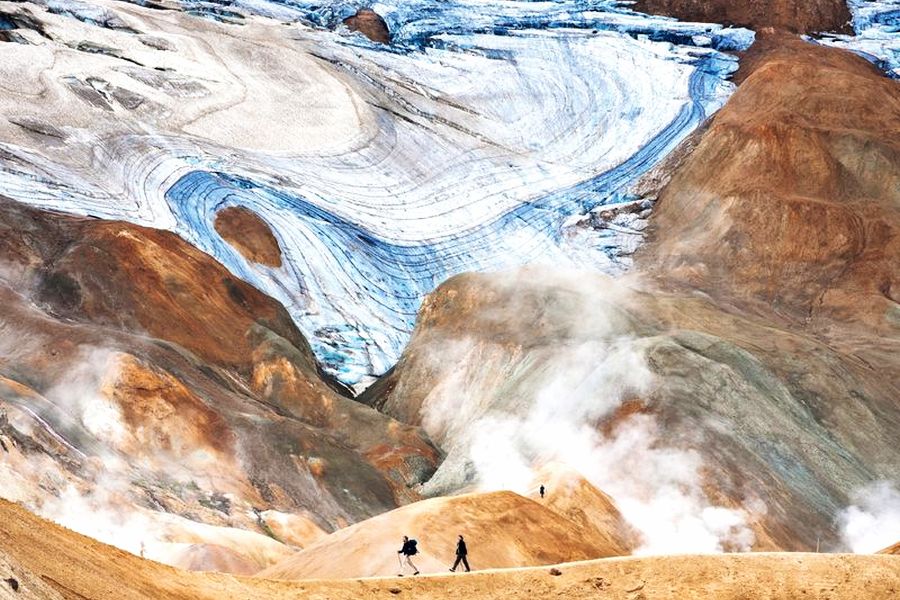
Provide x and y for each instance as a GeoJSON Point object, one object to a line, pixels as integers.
{"type": "Point", "coordinates": [548, 404]}
{"type": "Point", "coordinates": [872, 522]}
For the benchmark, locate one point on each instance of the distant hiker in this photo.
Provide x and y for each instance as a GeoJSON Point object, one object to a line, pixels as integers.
{"type": "Point", "coordinates": [406, 553]}
{"type": "Point", "coordinates": [542, 491]}
{"type": "Point", "coordinates": [461, 553]}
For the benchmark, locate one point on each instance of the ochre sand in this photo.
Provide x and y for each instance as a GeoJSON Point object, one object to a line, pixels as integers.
{"type": "Point", "coordinates": [52, 562]}
{"type": "Point", "coordinates": [505, 530]}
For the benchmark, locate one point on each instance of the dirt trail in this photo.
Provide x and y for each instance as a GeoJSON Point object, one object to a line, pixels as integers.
{"type": "Point", "coordinates": [53, 562]}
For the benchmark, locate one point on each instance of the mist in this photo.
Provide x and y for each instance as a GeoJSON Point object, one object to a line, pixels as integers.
{"type": "Point", "coordinates": [76, 413]}
{"type": "Point", "coordinates": [872, 522]}
{"type": "Point", "coordinates": [503, 412]}
{"type": "Point", "coordinates": [102, 495]}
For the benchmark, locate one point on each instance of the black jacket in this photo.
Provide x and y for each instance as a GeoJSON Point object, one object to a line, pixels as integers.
{"type": "Point", "coordinates": [461, 548]}
{"type": "Point", "coordinates": [409, 548]}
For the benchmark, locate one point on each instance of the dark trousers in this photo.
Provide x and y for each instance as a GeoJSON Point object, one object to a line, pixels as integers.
{"type": "Point", "coordinates": [461, 558]}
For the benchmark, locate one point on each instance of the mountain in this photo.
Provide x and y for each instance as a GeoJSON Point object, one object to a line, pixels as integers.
{"type": "Point", "coordinates": [647, 263]}
{"type": "Point", "coordinates": [788, 206]}
{"type": "Point", "coordinates": [346, 178]}
{"type": "Point", "coordinates": [755, 345]}
{"type": "Point", "coordinates": [146, 391]}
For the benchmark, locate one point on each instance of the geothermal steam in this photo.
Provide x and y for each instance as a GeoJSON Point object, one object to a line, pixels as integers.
{"type": "Point", "coordinates": [101, 501]}
{"type": "Point", "coordinates": [872, 522]}
{"type": "Point", "coordinates": [76, 408]}
{"type": "Point", "coordinates": [504, 412]}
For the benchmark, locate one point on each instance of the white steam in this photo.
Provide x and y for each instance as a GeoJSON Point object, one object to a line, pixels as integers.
{"type": "Point", "coordinates": [659, 491]}
{"type": "Point", "coordinates": [93, 428]}
{"type": "Point", "coordinates": [79, 395]}
{"type": "Point", "coordinates": [105, 514]}
{"type": "Point", "coordinates": [547, 405]}
{"type": "Point", "coordinates": [872, 522]}
{"type": "Point", "coordinates": [102, 500]}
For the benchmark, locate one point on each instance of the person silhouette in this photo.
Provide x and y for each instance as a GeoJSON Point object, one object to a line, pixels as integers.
{"type": "Point", "coordinates": [542, 491]}
{"type": "Point", "coordinates": [461, 555]}
{"type": "Point", "coordinates": [406, 553]}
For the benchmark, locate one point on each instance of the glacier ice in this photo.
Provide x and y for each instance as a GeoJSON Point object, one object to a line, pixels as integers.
{"type": "Point", "coordinates": [876, 26]}
{"type": "Point", "coordinates": [488, 135]}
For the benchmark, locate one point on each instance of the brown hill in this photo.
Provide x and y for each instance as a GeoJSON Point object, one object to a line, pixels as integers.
{"type": "Point", "coordinates": [51, 563]}
{"type": "Point", "coordinates": [798, 16]}
{"type": "Point", "coordinates": [139, 378]}
{"type": "Point", "coordinates": [790, 204]}
{"type": "Point", "coordinates": [503, 529]}
{"type": "Point", "coordinates": [370, 24]}
{"type": "Point", "coordinates": [573, 497]}
{"type": "Point", "coordinates": [895, 549]}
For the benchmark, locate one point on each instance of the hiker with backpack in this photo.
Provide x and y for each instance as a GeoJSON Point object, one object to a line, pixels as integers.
{"type": "Point", "coordinates": [405, 555]}
{"type": "Point", "coordinates": [461, 555]}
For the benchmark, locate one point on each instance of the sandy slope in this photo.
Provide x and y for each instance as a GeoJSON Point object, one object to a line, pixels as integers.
{"type": "Point", "coordinates": [503, 529]}
{"type": "Point", "coordinates": [51, 563]}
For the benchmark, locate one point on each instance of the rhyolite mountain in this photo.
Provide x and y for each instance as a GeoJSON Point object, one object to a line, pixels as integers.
{"type": "Point", "coordinates": [573, 238]}
{"type": "Point", "coordinates": [142, 380]}
{"type": "Point", "coordinates": [767, 310]}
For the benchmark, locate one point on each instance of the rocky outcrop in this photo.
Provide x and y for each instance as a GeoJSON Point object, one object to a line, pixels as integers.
{"type": "Point", "coordinates": [249, 234]}
{"type": "Point", "coordinates": [18, 20]}
{"type": "Point", "coordinates": [370, 24]}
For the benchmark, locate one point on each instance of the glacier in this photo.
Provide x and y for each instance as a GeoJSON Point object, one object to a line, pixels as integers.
{"type": "Point", "coordinates": [486, 136]}
{"type": "Point", "coordinates": [876, 27]}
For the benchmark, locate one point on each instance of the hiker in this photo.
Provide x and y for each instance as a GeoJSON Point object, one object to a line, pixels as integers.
{"type": "Point", "coordinates": [542, 491]}
{"type": "Point", "coordinates": [406, 553]}
{"type": "Point", "coordinates": [461, 553]}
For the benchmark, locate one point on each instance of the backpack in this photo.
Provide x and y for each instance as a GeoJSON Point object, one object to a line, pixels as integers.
{"type": "Point", "coordinates": [412, 547]}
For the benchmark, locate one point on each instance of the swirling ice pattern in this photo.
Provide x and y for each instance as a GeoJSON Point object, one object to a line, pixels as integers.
{"type": "Point", "coordinates": [362, 262]}
{"type": "Point", "coordinates": [492, 127]}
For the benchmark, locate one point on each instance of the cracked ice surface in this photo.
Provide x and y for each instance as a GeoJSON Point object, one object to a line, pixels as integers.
{"type": "Point", "coordinates": [490, 135]}
{"type": "Point", "coordinates": [877, 29]}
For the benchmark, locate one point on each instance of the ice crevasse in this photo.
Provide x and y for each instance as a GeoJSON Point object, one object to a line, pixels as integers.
{"type": "Point", "coordinates": [876, 27]}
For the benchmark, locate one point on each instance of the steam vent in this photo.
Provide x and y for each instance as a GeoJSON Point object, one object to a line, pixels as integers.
{"type": "Point", "coordinates": [440, 298]}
